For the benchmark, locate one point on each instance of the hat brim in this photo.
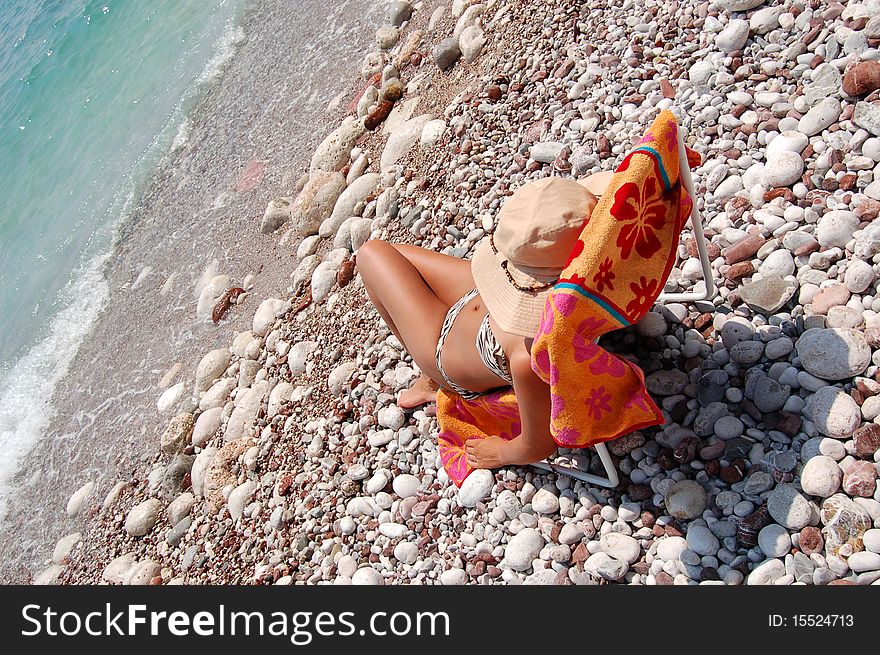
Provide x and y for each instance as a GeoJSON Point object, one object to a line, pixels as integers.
{"type": "Point", "coordinates": [515, 311]}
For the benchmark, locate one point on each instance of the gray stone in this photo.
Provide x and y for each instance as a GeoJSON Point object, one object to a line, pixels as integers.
{"type": "Point", "coordinates": [399, 12]}
{"type": "Point", "coordinates": [666, 383]}
{"type": "Point", "coordinates": [686, 499]}
{"type": "Point", "coordinates": [788, 507]}
{"type": "Point", "coordinates": [836, 228]}
{"type": "Point", "coordinates": [821, 476]}
{"type": "Point", "coordinates": [867, 116]}
{"type": "Point", "coordinates": [522, 548]}
{"type": "Point", "coordinates": [733, 37]}
{"type": "Point", "coordinates": [770, 396]}
{"type": "Point", "coordinates": [820, 117]}
{"type": "Point", "coordinates": [766, 573]}
{"type": "Point", "coordinates": [701, 540]}
{"type": "Point", "coordinates": [471, 43]}
{"type": "Point", "coordinates": [277, 214]}
{"type": "Point", "coordinates": [247, 406]}
{"type": "Point", "coordinates": [334, 151]}
{"type": "Point", "coordinates": [783, 169]}
{"type": "Point", "coordinates": [825, 81]}
{"type": "Point", "coordinates": [620, 546]}
{"type": "Point", "coordinates": [545, 151]}
{"type": "Point", "coordinates": [446, 53]}
{"type": "Point", "coordinates": [834, 412]}
{"type": "Point", "coordinates": [738, 5]}
{"type": "Point", "coordinates": [143, 517]}
{"type": "Point", "coordinates": [774, 540]}
{"type": "Point", "coordinates": [769, 294]}
{"type": "Point", "coordinates": [476, 487]}
{"type": "Point", "coordinates": [833, 353]}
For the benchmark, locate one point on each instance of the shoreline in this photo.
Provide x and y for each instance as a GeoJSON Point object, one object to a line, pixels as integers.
{"type": "Point", "coordinates": [293, 464]}
{"type": "Point", "coordinates": [190, 209]}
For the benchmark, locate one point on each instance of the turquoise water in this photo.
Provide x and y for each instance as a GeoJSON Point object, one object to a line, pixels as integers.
{"type": "Point", "coordinates": [92, 96]}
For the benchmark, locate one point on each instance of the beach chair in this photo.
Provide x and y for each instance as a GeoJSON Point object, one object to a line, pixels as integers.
{"type": "Point", "coordinates": [611, 478]}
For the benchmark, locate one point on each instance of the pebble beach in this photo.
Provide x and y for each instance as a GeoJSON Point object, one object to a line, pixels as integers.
{"type": "Point", "coordinates": [281, 456]}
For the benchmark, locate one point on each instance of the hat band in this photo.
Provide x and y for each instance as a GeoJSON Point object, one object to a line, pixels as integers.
{"type": "Point", "coordinates": [537, 286]}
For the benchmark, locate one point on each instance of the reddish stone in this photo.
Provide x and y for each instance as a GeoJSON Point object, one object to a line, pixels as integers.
{"type": "Point", "coordinates": [860, 479]}
{"type": "Point", "coordinates": [743, 249]}
{"type": "Point", "coordinates": [841, 583]}
{"type": "Point", "coordinates": [848, 182]}
{"type": "Point", "coordinates": [494, 93]}
{"type": "Point", "coordinates": [789, 424]}
{"type": "Point", "coordinates": [686, 450]}
{"type": "Point", "coordinates": [345, 273]}
{"type": "Point", "coordinates": [862, 78]}
{"type": "Point", "coordinates": [580, 554]}
{"type": "Point", "coordinates": [626, 444]}
{"type": "Point", "coordinates": [647, 519]}
{"type": "Point", "coordinates": [734, 472]}
{"type": "Point", "coordinates": [868, 209]}
{"type": "Point", "coordinates": [667, 89]}
{"type": "Point", "coordinates": [748, 529]}
{"type": "Point", "coordinates": [736, 207]}
{"type": "Point", "coordinates": [866, 440]}
{"type": "Point", "coordinates": [251, 176]}
{"type": "Point", "coordinates": [828, 297]}
{"type": "Point", "coordinates": [673, 530]}
{"type": "Point", "coordinates": [663, 579]}
{"type": "Point", "coordinates": [740, 270]}
{"type": "Point", "coordinates": [376, 117]}
{"type": "Point", "coordinates": [811, 541]}
{"type": "Point", "coordinates": [639, 492]}
{"type": "Point", "coordinates": [713, 249]}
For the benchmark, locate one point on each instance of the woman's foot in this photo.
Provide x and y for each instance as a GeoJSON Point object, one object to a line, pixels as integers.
{"type": "Point", "coordinates": [423, 390]}
{"type": "Point", "coordinates": [495, 452]}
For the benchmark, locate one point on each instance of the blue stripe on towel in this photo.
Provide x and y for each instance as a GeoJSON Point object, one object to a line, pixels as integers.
{"type": "Point", "coordinates": [656, 155]}
{"type": "Point", "coordinates": [604, 304]}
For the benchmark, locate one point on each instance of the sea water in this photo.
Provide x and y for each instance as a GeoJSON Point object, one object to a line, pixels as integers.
{"type": "Point", "coordinates": [93, 94]}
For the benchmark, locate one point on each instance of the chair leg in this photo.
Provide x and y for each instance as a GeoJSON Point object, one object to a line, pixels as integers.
{"type": "Point", "coordinates": [699, 237]}
{"type": "Point", "coordinates": [610, 481]}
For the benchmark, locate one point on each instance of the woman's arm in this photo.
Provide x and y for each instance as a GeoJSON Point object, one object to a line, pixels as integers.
{"type": "Point", "coordinates": [534, 442]}
{"type": "Point", "coordinates": [533, 397]}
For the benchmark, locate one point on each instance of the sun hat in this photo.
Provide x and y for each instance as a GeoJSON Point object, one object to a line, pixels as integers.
{"type": "Point", "coordinates": [515, 267]}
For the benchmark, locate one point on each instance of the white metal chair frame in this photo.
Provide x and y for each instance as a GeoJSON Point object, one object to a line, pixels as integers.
{"type": "Point", "coordinates": [612, 479]}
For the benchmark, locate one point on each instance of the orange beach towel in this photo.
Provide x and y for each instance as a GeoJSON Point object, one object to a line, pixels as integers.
{"type": "Point", "coordinates": [615, 272]}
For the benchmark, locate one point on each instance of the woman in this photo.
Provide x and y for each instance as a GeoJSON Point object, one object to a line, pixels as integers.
{"type": "Point", "coordinates": [468, 325]}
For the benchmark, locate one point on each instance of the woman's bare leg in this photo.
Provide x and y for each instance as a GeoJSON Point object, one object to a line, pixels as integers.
{"type": "Point", "coordinates": [411, 288]}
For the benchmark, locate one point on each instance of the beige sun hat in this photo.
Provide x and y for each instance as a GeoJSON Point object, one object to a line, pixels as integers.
{"type": "Point", "coordinates": [515, 267]}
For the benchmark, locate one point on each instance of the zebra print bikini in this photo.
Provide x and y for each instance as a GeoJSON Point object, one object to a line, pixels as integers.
{"type": "Point", "coordinates": [490, 351]}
